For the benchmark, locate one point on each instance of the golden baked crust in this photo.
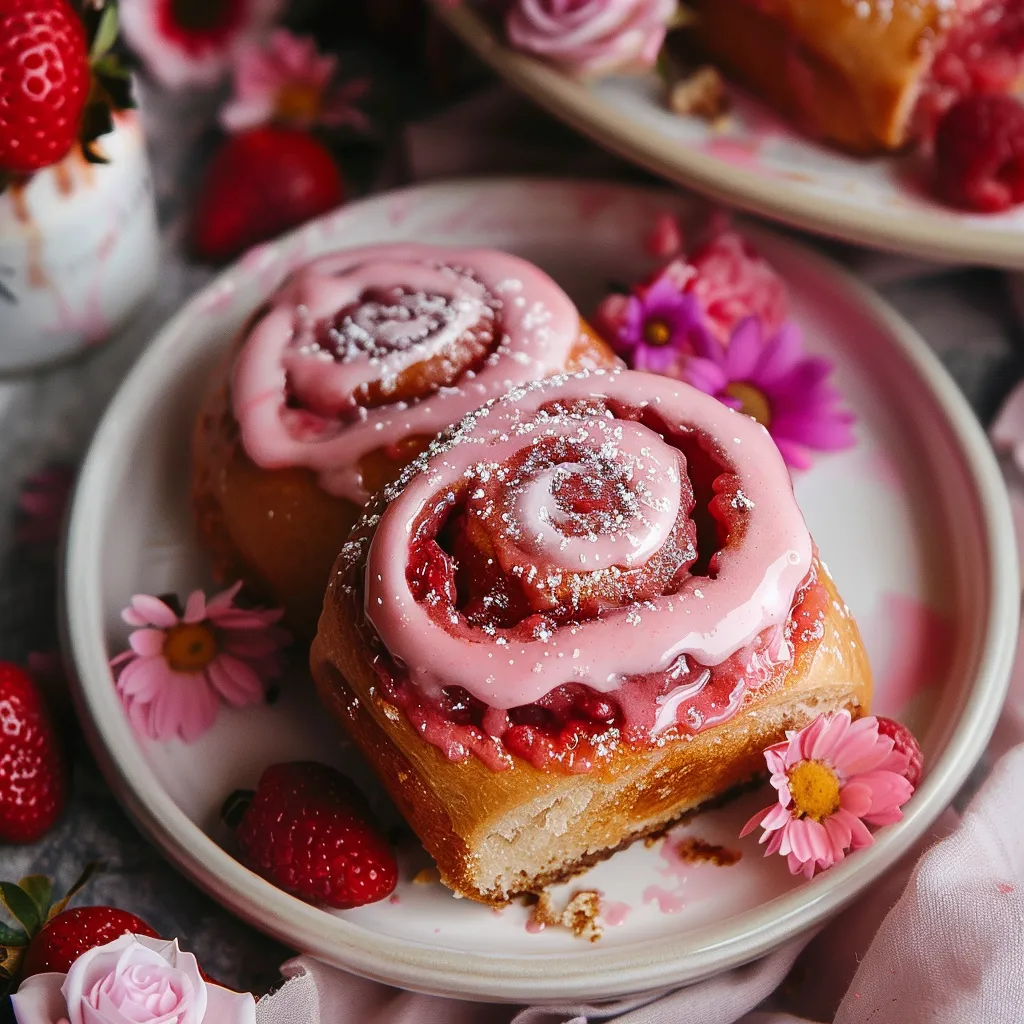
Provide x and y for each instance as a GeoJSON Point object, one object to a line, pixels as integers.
{"type": "Point", "coordinates": [847, 72]}
{"type": "Point", "coordinates": [472, 819]}
{"type": "Point", "coordinates": [277, 529]}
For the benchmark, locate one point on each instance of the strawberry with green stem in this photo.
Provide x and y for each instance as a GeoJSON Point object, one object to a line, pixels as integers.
{"type": "Point", "coordinates": [60, 80]}
{"type": "Point", "coordinates": [46, 936]}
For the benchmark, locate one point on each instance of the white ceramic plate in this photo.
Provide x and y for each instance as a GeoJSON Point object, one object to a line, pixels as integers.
{"type": "Point", "coordinates": [913, 522]}
{"type": "Point", "coordinates": [756, 163]}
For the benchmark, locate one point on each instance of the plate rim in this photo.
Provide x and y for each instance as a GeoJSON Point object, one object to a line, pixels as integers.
{"type": "Point", "coordinates": [590, 973]}
{"type": "Point", "coordinates": [931, 236]}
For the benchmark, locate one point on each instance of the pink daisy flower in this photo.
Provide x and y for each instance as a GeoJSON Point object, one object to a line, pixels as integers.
{"type": "Point", "coordinates": [835, 777]}
{"type": "Point", "coordinates": [180, 667]}
{"type": "Point", "coordinates": [191, 44]}
{"type": "Point", "coordinates": [775, 383]}
{"type": "Point", "coordinates": [287, 80]}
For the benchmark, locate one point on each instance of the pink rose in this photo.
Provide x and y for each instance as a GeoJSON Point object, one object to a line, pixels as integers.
{"type": "Point", "coordinates": [132, 980]}
{"type": "Point", "coordinates": [591, 37]}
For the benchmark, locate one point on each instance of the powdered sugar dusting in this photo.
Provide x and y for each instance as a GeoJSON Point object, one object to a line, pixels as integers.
{"type": "Point", "coordinates": [314, 381]}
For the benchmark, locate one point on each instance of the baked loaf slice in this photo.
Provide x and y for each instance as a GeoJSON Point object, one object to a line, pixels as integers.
{"type": "Point", "coordinates": [583, 614]}
{"type": "Point", "coordinates": [353, 366]}
{"type": "Point", "coordinates": [868, 75]}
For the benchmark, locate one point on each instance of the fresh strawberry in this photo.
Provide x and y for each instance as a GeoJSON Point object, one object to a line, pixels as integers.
{"type": "Point", "coordinates": [44, 82]}
{"type": "Point", "coordinates": [68, 935]}
{"type": "Point", "coordinates": [33, 784]}
{"type": "Point", "coordinates": [261, 183]}
{"type": "Point", "coordinates": [309, 831]}
{"type": "Point", "coordinates": [979, 154]}
{"type": "Point", "coordinates": [903, 740]}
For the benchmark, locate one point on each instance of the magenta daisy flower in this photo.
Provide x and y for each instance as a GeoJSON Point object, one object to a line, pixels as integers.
{"type": "Point", "coordinates": [659, 327]}
{"type": "Point", "coordinates": [835, 777]}
{"type": "Point", "coordinates": [775, 383]}
{"type": "Point", "coordinates": [180, 667]}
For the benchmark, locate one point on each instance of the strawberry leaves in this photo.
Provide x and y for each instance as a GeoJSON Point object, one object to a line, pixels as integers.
{"type": "Point", "coordinates": [30, 906]}
{"type": "Point", "coordinates": [111, 82]}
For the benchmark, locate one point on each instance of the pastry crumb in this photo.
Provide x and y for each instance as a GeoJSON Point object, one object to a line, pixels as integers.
{"type": "Point", "coordinates": [581, 914]}
{"type": "Point", "coordinates": [702, 93]}
{"type": "Point", "coordinates": [427, 876]}
{"type": "Point", "coordinates": [696, 851]}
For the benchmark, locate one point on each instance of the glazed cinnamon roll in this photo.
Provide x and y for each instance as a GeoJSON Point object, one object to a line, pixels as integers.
{"type": "Point", "coordinates": [583, 613]}
{"type": "Point", "coordinates": [869, 75]}
{"type": "Point", "coordinates": [357, 362]}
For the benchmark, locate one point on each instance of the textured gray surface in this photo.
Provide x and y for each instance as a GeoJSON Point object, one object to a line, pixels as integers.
{"type": "Point", "coordinates": [967, 316]}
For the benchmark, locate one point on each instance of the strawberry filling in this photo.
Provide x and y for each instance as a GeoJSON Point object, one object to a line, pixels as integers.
{"type": "Point", "coordinates": [983, 55]}
{"type": "Point", "coordinates": [472, 565]}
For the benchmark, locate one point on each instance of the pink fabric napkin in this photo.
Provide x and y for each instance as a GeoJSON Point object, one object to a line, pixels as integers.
{"type": "Point", "coordinates": [938, 939]}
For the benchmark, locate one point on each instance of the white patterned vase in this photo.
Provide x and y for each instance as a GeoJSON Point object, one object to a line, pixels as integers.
{"type": "Point", "coordinates": [78, 250]}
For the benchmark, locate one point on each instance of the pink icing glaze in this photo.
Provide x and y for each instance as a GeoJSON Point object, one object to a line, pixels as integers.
{"type": "Point", "coordinates": [444, 291]}
{"type": "Point", "coordinates": [709, 619]}
{"type": "Point", "coordinates": [648, 486]}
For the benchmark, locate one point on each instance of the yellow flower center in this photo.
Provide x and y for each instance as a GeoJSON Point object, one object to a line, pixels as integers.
{"type": "Point", "coordinates": [752, 401]}
{"type": "Point", "coordinates": [657, 333]}
{"type": "Point", "coordinates": [815, 790]}
{"type": "Point", "coordinates": [298, 102]}
{"type": "Point", "coordinates": [190, 647]}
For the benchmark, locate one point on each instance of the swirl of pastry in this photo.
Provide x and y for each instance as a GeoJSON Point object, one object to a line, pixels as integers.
{"type": "Point", "coordinates": [612, 547]}
{"type": "Point", "coordinates": [361, 350]}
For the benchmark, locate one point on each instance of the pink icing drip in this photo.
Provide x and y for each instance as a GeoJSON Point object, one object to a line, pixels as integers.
{"type": "Point", "coordinates": [539, 328]}
{"type": "Point", "coordinates": [614, 913]}
{"type": "Point", "coordinates": [708, 619]}
{"type": "Point", "coordinates": [669, 902]}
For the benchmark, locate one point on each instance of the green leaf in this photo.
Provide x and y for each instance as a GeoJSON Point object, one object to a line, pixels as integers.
{"type": "Point", "coordinates": [96, 121]}
{"type": "Point", "coordinates": [110, 67]}
{"type": "Point", "coordinates": [40, 889]}
{"type": "Point", "coordinates": [90, 869]}
{"type": "Point", "coordinates": [118, 88]}
{"type": "Point", "coordinates": [106, 34]}
{"type": "Point", "coordinates": [22, 906]}
{"type": "Point", "coordinates": [11, 937]}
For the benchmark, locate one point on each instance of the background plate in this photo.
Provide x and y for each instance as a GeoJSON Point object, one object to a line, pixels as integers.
{"type": "Point", "coordinates": [758, 162]}
{"type": "Point", "coordinates": [913, 522]}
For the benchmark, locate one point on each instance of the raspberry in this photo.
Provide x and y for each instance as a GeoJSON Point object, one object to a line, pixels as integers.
{"type": "Point", "coordinates": [979, 154]}
{"type": "Point", "coordinates": [903, 740]}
